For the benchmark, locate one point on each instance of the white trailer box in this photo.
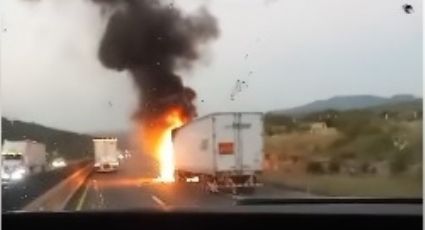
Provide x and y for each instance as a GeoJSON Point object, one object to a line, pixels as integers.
{"type": "Point", "coordinates": [225, 149]}
{"type": "Point", "coordinates": [106, 154]}
{"type": "Point", "coordinates": [20, 158]}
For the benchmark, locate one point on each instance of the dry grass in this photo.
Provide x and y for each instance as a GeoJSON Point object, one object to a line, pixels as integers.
{"type": "Point", "coordinates": [305, 144]}
{"type": "Point", "coordinates": [299, 143]}
{"type": "Point", "coordinates": [344, 185]}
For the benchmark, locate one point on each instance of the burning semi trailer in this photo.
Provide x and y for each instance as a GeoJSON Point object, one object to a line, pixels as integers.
{"type": "Point", "coordinates": [223, 151]}
{"type": "Point", "coordinates": [152, 40]}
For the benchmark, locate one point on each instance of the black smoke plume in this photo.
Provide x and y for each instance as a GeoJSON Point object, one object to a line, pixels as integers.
{"type": "Point", "coordinates": [152, 41]}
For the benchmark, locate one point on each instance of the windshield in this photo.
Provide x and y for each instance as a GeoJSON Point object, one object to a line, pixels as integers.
{"type": "Point", "coordinates": [188, 103]}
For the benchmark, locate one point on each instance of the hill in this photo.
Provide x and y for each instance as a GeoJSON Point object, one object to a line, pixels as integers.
{"type": "Point", "coordinates": [415, 104]}
{"type": "Point", "coordinates": [67, 144]}
{"type": "Point", "coordinates": [393, 111]}
{"type": "Point", "coordinates": [342, 103]}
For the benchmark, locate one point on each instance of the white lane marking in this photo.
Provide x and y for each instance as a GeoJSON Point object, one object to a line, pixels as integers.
{"type": "Point", "coordinates": [159, 201]}
{"type": "Point", "coordinates": [101, 200]}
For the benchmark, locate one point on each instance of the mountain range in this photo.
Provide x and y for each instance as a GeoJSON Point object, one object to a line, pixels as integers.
{"type": "Point", "coordinates": [346, 103]}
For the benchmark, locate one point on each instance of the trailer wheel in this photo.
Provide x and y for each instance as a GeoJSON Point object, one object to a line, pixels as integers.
{"type": "Point", "coordinates": [210, 185]}
{"type": "Point", "coordinates": [179, 177]}
{"type": "Point", "coordinates": [205, 187]}
{"type": "Point", "coordinates": [246, 190]}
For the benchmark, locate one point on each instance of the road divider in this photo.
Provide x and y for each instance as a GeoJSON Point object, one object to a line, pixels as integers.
{"type": "Point", "coordinates": [83, 198]}
{"type": "Point", "coordinates": [57, 197]}
{"type": "Point", "coordinates": [17, 195]}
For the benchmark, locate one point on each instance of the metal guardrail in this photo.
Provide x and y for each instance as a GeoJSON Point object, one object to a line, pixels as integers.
{"type": "Point", "coordinates": [18, 195]}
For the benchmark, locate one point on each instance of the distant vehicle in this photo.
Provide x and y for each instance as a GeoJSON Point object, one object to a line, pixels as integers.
{"type": "Point", "coordinates": [106, 154]}
{"type": "Point", "coordinates": [58, 163]}
{"type": "Point", "coordinates": [22, 158]}
{"type": "Point", "coordinates": [127, 154]}
{"type": "Point", "coordinates": [222, 150]}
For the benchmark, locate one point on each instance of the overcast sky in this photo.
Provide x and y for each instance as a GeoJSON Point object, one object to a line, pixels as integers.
{"type": "Point", "coordinates": [289, 52]}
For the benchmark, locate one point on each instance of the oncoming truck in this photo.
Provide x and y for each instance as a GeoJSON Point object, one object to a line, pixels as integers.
{"type": "Point", "coordinates": [105, 154]}
{"type": "Point", "coordinates": [223, 150]}
{"type": "Point", "coordinates": [22, 158]}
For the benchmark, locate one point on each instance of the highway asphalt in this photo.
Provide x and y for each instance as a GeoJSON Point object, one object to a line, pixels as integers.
{"type": "Point", "coordinates": [133, 187]}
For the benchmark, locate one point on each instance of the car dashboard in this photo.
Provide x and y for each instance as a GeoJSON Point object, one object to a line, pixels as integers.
{"type": "Point", "coordinates": [336, 215]}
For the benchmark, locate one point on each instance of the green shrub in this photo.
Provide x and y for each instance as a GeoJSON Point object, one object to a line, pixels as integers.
{"type": "Point", "coordinates": [334, 166]}
{"type": "Point", "coordinates": [365, 167]}
{"type": "Point", "coordinates": [315, 168]}
{"type": "Point", "coordinates": [399, 163]}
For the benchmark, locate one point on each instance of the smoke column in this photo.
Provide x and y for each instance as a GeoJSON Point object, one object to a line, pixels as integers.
{"type": "Point", "coordinates": [152, 41]}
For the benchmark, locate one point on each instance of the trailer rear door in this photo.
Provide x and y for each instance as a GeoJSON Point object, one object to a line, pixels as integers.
{"type": "Point", "coordinates": [225, 137]}
{"type": "Point", "coordinates": [238, 141]}
{"type": "Point", "coordinates": [250, 148]}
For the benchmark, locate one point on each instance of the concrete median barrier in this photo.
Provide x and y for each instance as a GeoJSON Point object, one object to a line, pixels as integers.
{"type": "Point", "coordinates": [17, 195]}
{"type": "Point", "coordinates": [56, 198]}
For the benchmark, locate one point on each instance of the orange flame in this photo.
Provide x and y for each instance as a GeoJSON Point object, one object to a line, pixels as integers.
{"type": "Point", "coordinates": [165, 148]}
{"type": "Point", "coordinates": [156, 139]}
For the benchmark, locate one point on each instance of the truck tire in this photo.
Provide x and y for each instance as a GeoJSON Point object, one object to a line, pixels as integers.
{"type": "Point", "coordinates": [178, 176]}
{"type": "Point", "coordinates": [245, 190]}
{"type": "Point", "coordinates": [209, 185]}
